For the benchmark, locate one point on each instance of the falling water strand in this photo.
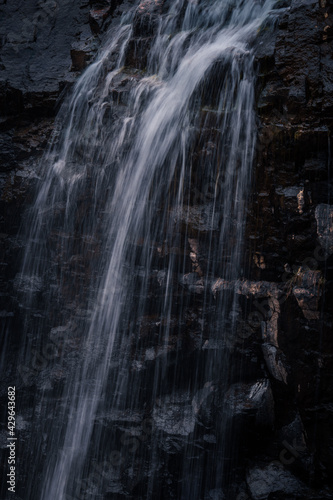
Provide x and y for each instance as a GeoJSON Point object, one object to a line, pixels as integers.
{"type": "Point", "coordinates": [136, 162]}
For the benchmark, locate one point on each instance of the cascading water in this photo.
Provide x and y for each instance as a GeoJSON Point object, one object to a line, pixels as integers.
{"type": "Point", "coordinates": [142, 205]}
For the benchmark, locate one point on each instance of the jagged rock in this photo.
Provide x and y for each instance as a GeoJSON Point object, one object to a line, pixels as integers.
{"type": "Point", "coordinates": [276, 362]}
{"type": "Point", "coordinates": [308, 293]}
{"type": "Point", "coordinates": [63, 337]}
{"type": "Point", "coordinates": [308, 302]}
{"type": "Point", "coordinates": [294, 430]}
{"type": "Point", "coordinates": [148, 6]}
{"type": "Point", "coordinates": [324, 218]}
{"type": "Point", "coordinates": [150, 346]}
{"type": "Point", "coordinates": [292, 437]}
{"type": "Point", "coordinates": [27, 28]}
{"type": "Point", "coordinates": [195, 255]}
{"type": "Point", "coordinates": [252, 400]}
{"type": "Point", "coordinates": [263, 481]}
{"type": "Point", "coordinates": [97, 18]}
{"type": "Point", "coordinates": [214, 345]}
{"type": "Point", "coordinates": [175, 415]}
{"type": "Point", "coordinates": [260, 289]}
{"type": "Point", "coordinates": [145, 24]}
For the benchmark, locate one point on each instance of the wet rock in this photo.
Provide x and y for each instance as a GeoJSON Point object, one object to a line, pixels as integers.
{"type": "Point", "coordinates": [197, 218]}
{"type": "Point", "coordinates": [44, 31]}
{"type": "Point", "coordinates": [294, 430]}
{"type": "Point", "coordinates": [275, 362]}
{"type": "Point", "coordinates": [107, 476]}
{"type": "Point", "coordinates": [195, 255]}
{"type": "Point", "coordinates": [28, 284]}
{"type": "Point", "coordinates": [300, 69]}
{"type": "Point", "coordinates": [324, 218]}
{"type": "Point", "coordinates": [146, 19]}
{"type": "Point", "coordinates": [123, 83]}
{"type": "Point", "coordinates": [81, 55]}
{"type": "Point", "coordinates": [266, 41]}
{"type": "Point", "coordinates": [308, 293]}
{"type": "Point", "coordinates": [193, 283]}
{"type": "Point", "coordinates": [251, 400]}
{"type": "Point", "coordinates": [259, 261]}
{"type": "Point", "coordinates": [216, 494]}
{"type": "Point", "coordinates": [202, 404]}
{"type": "Point", "coordinates": [174, 415]}
{"type": "Point", "coordinates": [97, 18]}
{"type": "Point", "coordinates": [308, 302]}
{"type": "Point", "coordinates": [162, 340]}
{"type": "Point", "coordinates": [248, 288]}
{"type": "Point", "coordinates": [145, 25]}
{"type": "Point", "coordinates": [270, 328]}
{"type": "Point", "coordinates": [292, 437]}
{"type": "Point", "coordinates": [273, 478]}
{"type": "Point", "coordinates": [137, 52]}
{"type": "Point", "coordinates": [125, 420]}
{"type": "Point", "coordinates": [291, 198]}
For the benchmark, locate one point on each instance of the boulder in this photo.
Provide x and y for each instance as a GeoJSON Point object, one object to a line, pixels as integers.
{"type": "Point", "coordinates": [272, 478]}
{"type": "Point", "coordinates": [253, 400]}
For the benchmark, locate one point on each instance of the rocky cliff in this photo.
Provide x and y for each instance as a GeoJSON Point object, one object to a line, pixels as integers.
{"type": "Point", "coordinates": [281, 405]}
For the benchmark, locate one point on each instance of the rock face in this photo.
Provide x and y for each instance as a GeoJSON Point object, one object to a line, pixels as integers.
{"type": "Point", "coordinates": [273, 478]}
{"type": "Point", "coordinates": [280, 387]}
{"type": "Point", "coordinates": [253, 399]}
{"type": "Point", "coordinates": [292, 206]}
{"type": "Point", "coordinates": [35, 52]}
{"type": "Point", "coordinates": [324, 218]}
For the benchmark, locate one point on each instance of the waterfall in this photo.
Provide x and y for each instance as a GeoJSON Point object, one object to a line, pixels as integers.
{"type": "Point", "coordinates": [142, 204]}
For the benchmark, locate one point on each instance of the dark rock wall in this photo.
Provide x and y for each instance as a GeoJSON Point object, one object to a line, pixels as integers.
{"type": "Point", "coordinates": [285, 337]}
{"type": "Point", "coordinates": [44, 46]}
{"type": "Point", "coordinates": [291, 204]}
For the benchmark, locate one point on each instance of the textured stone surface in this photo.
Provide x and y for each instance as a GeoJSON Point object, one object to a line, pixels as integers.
{"type": "Point", "coordinates": [273, 478]}
{"type": "Point", "coordinates": [282, 344]}
{"type": "Point", "coordinates": [252, 399]}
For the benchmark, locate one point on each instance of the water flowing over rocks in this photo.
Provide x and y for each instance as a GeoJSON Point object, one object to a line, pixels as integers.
{"type": "Point", "coordinates": [274, 342]}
